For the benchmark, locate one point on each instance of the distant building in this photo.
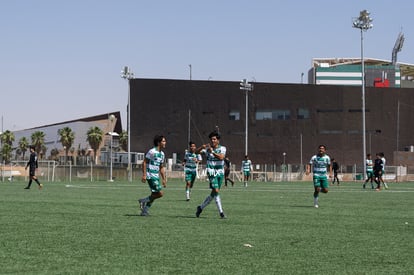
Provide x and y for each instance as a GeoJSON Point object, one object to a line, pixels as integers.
{"type": "Point", "coordinates": [282, 118]}
{"type": "Point", "coordinates": [347, 71]}
{"type": "Point", "coordinates": [80, 127]}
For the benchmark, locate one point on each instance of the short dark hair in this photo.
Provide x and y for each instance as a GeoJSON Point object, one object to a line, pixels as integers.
{"type": "Point", "coordinates": [214, 134]}
{"type": "Point", "coordinates": [191, 143]}
{"type": "Point", "coordinates": [32, 147]}
{"type": "Point", "coordinates": [158, 139]}
{"type": "Point", "coordinates": [322, 146]}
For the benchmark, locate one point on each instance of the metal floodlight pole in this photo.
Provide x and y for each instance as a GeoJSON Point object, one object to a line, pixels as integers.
{"type": "Point", "coordinates": [112, 135]}
{"type": "Point", "coordinates": [363, 22]}
{"type": "Point", "coordinates": [246, 86]}
{"type": "Point", "coordinates": [127, 74]}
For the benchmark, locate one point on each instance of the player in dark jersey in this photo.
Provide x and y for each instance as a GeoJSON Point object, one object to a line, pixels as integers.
{"type": "Point", "coordinates": [32, 164]}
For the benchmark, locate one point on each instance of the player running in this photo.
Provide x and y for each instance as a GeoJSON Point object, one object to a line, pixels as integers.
{"type": "Point", "coordinates": [320, 164]}
{"type": "Point", "coordinates": [191, 159]}
{"type": "Point", "coordinates": [215, 154]}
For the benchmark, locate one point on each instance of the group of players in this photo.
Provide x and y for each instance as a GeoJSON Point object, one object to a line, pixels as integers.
{"type": "Point", "coordinates": [218, 168]}
{"type": "Point", "coordinates": [375, 171]}
{"type": "Point", "coordinates": [153, 172]}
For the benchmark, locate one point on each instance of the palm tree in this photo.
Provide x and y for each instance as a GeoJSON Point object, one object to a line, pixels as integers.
{"type": "Point", "coordinates": [94, 137]}
{"type": "Point", "coordinates": [67, 136]}
{"type": "Point", "coordinates": [38, 140]}
{"type": "Point", "coordinates": [54, 153]}
{"type": "Point", "coordinates": [6, 139]}
{"type": "Point", "coordinates": [6, 152]}
{"type": "Point", "coordinates": [23, 145]}
{"type": "Point", "coordinates": [123, 140]}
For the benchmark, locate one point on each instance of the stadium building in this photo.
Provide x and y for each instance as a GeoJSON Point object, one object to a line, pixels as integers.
{"type": "Point", "coordinates": [286, 122]}
{"type": "Point", "coordinates": [80, 148]}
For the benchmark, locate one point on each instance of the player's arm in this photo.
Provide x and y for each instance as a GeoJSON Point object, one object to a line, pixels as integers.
{"type": "Point", "coordinates": [308, 169]}
{"type": "Point", "coordinates": [218, 155]}
{"type": "Point", "coordinates": [163, 176]}
{"type": "Point", "coordinates": [144, 170]}
{"type": "Point", "coordinates": [201, 148]}
{"type": "Point", "coordinates": [330, 170]}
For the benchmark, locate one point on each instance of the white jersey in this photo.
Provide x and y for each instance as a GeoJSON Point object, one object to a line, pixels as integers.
{"type": "Point", "coordinates": [191, 160]}
{"type": "Point", "coordinates": [320, 165]}
{"type": "Point", "coordinates": [215, 167]}
{"type": "Point", "coordinates": [383, 164]}
{"type": "Point", "coordinates": [155, 161]}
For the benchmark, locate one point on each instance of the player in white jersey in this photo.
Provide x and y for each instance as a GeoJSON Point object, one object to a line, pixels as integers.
{"type": "Point", "coordinates": [383, 171]}
{"type": "Point", "coordinates": [215, 154]}
{"type": "Point", "coordinates": [152, 168]}
{"type": "Point", "coordinates": [320, 164]}
{"type": "Point", "coordinates": [370, 171]}
{"type": "Point", "coordinates": [190, 162]}
{"type": "Point", "coordinates": [246, 169]}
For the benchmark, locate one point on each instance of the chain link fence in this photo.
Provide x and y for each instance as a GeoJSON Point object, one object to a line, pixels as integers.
{"type": "Point", "coordinates": [52, 171]}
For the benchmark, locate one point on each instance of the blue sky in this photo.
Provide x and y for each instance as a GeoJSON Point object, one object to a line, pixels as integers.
{"type": "Point", "coordinates": [61, 60]}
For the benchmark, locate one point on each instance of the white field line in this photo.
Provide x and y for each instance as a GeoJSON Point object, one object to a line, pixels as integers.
{"type": "Point", "coordinates": [276, 188]}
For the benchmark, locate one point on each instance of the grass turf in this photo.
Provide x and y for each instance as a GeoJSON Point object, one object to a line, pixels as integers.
{"type": "Point", "coordinates": [91, 228]}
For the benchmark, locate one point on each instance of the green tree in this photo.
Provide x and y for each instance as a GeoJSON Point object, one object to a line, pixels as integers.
{"type": "Point", "coordinates": [7, 139]}
{"type": "Point", "coordinates": [38, 141]}
{"type": "Point", "coordinates": [23, 145]}
{"type": "Point", "coordinates": [123, 140]}
{"type": "Point", "coordinates": [94, 137]}
{"type": "Point", "coordinates": [67, 136]}
{"type": "Point", "coordinates": [6, 150]}
{"type": "Point", "coordinates": [54, 154]}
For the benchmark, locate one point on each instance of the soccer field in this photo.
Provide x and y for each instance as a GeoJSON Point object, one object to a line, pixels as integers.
{"type": "Point", "coordinates": [271, 228]}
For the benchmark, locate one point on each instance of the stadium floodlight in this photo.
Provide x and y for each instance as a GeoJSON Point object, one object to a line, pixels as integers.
{"type": "Point", "coordinates": [247, 87]}
{"type": "Point", "coordinates": [127, 74]}
{"type": "Point", "coordinates": [363, 22]}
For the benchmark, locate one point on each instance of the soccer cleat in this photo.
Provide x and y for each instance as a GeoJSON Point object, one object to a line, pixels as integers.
{"type": "Point", "coordinates": [188, 199]}
{"type": "Point", "coordinates": [40, 186]}
{"type": "Point", "coordinates": [363, 186]}
{"type": "Point", "coordinates": [141, 204]}
{"type": "Point", "coordinates": [222, 215]}
{"type": "Point", "coordinates": [315, 202]}
{"type": "Point", "coordinates": [198, 212]}
{"type": "Point", "coordinates": [27, 187]}
{"type": "Point", "coordinates": [377, 189]}
{"type": "Point", "coordinates": [385, 185]}
{"type": "Point", "coordinates": [144, 211]}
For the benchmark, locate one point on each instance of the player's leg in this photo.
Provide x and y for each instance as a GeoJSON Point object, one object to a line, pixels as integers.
{"type": "Point", "coordinates": [317, 189]}
{"type": "Point", "coordinates": [215, 193]}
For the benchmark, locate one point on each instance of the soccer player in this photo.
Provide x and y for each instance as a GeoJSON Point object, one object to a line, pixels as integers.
{"type": "Point", "coordinates": [33, 165]}
{"type": "Point", "coordinates": [227, 166]}
{"type": "Point", "coordinates": [152, 168]}
{"type": "Point", "coordinates": [246, 169]}
{"type": "Point", "coordinates": [383, 170]}
{"type": "Point", "coordinates": [320, 164]}
{"type": "Point", "coordinates": [191, 159]}
{"type": "Point", "coordinates": [370, 172]}
{"type": "Point", "coordinates": [378, 165]}
{"type": "Point", "coordinates": [335, 168]}
{"type": "Point", "coordinates": [215, 154]}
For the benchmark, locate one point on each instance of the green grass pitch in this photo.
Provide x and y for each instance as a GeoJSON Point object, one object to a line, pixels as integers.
{"type": "Point", "coordinates": [271, 228]}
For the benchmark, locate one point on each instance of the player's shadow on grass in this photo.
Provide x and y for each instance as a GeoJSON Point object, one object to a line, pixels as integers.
{"type": "Point", "coordinates": [132, 215]}
{"type": "Point", "coordinates": [302, 206]}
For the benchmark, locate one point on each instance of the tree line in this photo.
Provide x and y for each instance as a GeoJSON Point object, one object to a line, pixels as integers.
{"type": "Point", "coordinates": [94, 137]}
